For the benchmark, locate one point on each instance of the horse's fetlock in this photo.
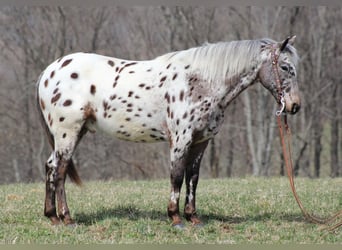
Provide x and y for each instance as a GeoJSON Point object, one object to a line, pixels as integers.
{"type": "Point", "coordinates": [189, 211]}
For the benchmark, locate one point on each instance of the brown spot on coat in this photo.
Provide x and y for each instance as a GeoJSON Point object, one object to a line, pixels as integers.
{"type": "Point", "coordinates": [42, 104]}
{"type": "Point", "coordinates": [61, 119]}
{"type": "Point", "coordinates": [181, 95]}
{"type": "Point", "coordinates": [187, 66]}
{"type": "Point", "coordinates": [130, 93]}
{"type": "Point", "coordinates": [66, 62]}
{"type": "Point", "coordinates": [111, 63]}
{"type": "Point", "coordinates": [174, 77]}
{"type": "Point", "coordinates": [127, 65]}
{"type": "Point", "coordinates": [67, 103]}
{"type": "Point", "coordinates": [52, 74]}
{"type": "Point", "coordinates": [93, 89]}
{"type": "Point", "coordinates": [46, 83]}
{"type": "Point", "coordinates": [55, 98]}
{"type": "Point", "coordinates": [167, 97]}
{"type": "Point", "coordinates": [74, 75]}
{"type": "Point", "coordinates": [141, 85]}
{"type": "Point", "coordinates": [106, 106]}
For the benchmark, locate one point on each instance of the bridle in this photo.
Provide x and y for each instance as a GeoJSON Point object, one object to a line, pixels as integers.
{"type": "Point", "coordinates": [328, 222]}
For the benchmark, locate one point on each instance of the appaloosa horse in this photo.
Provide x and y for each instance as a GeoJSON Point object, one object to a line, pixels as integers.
{"type": "Point", "coordinates": [179, 97]}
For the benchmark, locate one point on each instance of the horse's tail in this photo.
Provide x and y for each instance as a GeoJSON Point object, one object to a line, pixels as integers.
{"type": "Point", "coordinates": [71, 170]}
{"type": "Point", "coordinates": [72, 173]}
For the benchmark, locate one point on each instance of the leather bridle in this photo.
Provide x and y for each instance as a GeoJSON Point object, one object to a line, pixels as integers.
{"type": "Point", "coordinates": [328, 222]}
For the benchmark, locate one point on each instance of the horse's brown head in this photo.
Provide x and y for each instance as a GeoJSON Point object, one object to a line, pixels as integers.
{"type": "Point", "coordinates": [278, 73]}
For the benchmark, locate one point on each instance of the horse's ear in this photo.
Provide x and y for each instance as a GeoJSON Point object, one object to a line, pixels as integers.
{"type": "Point", "coordinates": [292, 40]}
{"type": "Point", "coordinates": [289, 40]}
{"type": "Point", "coordinates": [284, 43]}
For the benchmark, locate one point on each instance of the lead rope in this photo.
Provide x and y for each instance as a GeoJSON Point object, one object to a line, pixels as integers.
{"type": "Point", "coordinates": [288, 157]}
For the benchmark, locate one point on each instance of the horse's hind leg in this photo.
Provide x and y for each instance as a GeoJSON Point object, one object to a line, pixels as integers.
{"type": "Point", "coordinates": [50, 191]}
{"type": "Point", "coordinates": [193, 162]}
{"type": "Point", "coordinates": [56, 170]}
{"type": "Point", "coordinates": [55, 178]}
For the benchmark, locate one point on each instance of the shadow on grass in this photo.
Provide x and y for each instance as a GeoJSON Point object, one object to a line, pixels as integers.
{"type": "Point", "coordinates": [121, 212]}
{"type": "Point", "coordinates": [295, 217]}
{"type": "Point", "coordinates": [133, 213]}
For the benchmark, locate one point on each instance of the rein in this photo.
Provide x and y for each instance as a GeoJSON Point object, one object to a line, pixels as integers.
{"type": "Point", "coordinates": [327, 222]}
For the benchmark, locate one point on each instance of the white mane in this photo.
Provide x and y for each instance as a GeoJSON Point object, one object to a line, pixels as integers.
{"type": "Point", "coordinates": [223, 60]}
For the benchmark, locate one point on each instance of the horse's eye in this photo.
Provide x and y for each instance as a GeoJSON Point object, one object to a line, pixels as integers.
{"type": "Point", "coordinates": [285, 68]}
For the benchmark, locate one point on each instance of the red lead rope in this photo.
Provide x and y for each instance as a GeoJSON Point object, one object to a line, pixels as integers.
{"type": "Point", "coordinates": [288, 159]}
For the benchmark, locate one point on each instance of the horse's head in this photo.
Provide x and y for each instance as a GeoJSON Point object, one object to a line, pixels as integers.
{"type": "Point", "coordinates": [278, 72]}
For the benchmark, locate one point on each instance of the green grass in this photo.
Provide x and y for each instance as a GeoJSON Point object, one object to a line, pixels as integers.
{"type": "Point", "coordinates": [251, 210]}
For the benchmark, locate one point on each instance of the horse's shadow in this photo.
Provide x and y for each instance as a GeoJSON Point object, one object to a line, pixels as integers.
{"type": "Point", "coordinates": [133, 213]}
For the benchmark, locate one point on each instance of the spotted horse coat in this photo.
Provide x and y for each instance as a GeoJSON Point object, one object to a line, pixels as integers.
{"type": "Point", "coordinates": [179, 97]}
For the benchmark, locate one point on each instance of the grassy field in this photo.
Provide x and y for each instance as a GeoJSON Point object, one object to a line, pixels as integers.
{"type": "Point", "coordinates": [251, 210]}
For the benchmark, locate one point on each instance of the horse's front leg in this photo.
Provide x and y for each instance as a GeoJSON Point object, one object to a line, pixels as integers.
{"type": "Point", "coordinates": [177, 176]}
{"type": "Point", "coordinates": [193, 162]}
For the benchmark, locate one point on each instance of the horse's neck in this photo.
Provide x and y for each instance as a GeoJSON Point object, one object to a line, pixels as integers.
{"type": "Point", "coordinates": [236, 84]}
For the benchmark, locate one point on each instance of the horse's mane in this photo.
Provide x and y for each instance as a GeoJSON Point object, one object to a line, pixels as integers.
{"type": "Point", "coordinates": [224, 60]}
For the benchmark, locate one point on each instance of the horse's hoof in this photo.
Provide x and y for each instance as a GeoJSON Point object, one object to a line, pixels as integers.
{"type": "Point", "coordinates": [70, 223]}
{"type": "Point", "coordinates": [179, 226]}
{"type": "Point", "coordinates": [55, 221]}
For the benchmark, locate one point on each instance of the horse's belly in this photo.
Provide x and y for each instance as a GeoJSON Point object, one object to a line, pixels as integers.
{"type": "Point", "coordinates": [135, 129]}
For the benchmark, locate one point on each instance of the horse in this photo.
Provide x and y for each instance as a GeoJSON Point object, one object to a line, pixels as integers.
{"type": "Point", "coordinates": [179, 97]}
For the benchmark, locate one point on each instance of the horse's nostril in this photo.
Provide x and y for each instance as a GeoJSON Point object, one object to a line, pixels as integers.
{"type": "Point", "coordinates": [295, 108]}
